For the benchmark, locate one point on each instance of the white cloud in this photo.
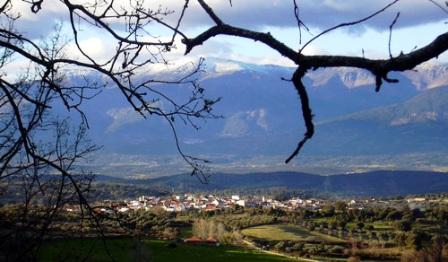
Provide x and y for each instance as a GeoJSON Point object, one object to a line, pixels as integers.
{"type": "Point", "coordinates": [259, 13]}
{"type": "Point", "coordinates": [264, 15]}
{"type": "Point", "coordinates": [48, 7]}
{"type": "Point", "coordinates": [318, 13]}
{"type": "Point", "coordinates": [40, 24]}
{"type": "Point", "coordinates": [95, 47]}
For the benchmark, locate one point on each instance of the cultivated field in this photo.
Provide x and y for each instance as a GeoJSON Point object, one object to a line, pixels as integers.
{"type": "Point", "coordinates": [284, 232]}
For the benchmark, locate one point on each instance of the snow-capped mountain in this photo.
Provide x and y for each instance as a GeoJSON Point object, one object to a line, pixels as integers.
{"type": "Point", "coordinates": [262, 117]}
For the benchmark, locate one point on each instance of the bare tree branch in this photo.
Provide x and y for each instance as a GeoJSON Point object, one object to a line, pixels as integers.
{"type": "Point", "coordinates": [391, 27]}
{"type": "Point", "coordinates": [380, 68]}
{"type": "Point", "coordinates": [306, 110]}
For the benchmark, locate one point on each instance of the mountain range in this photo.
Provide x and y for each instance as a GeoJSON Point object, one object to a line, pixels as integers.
{"type": "Point", "coordinates": [375, 183]}
{"type": "Point", "coordinates": [404, 126]}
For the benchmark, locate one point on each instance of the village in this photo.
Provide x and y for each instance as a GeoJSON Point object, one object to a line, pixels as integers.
{"type": "Point", "coordinates": [209, 202]}
{"type": "Point", "coordinates": [378, 229]}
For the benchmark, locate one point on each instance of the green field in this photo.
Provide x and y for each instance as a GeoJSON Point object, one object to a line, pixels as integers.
{"type": "Point", "coordinates": [153, 250]}
{"type": "Point", "coordinates": [283, 232]}
{"type": "Point", "coordinates": [382, 225]}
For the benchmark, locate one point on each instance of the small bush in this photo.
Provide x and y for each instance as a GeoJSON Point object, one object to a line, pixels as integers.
{"type": "Point", "coordinates": [298, 246]}
{"type": "Point", "coordinates": [280, 246]}
{"type": "Point", "coordinates": [336, 250]}
{"type": "Point", "coordinates": [353, 259]}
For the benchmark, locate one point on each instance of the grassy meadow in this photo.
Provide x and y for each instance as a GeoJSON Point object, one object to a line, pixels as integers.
{"type": "Point", "coordinates": [153, 250]}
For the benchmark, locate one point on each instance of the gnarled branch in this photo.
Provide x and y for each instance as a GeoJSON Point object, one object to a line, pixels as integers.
{"type": "Point", "coordinates": [380, 68]}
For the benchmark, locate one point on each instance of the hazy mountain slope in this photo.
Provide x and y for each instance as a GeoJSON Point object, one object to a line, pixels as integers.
{"type": "Point", "coordinates": [262, 118]}
{"type": "Point", "coordinates": [382, 183]}
{"type": "Point", "coordinates": [417, 125]}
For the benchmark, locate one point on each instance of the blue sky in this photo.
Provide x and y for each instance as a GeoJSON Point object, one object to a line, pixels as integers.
{"type": "Point", "coordinates": [420, 22]}
{"type": "Point", "coordinates": [413, 29]}
{"type": "Point", "coordinates": [342, 42]}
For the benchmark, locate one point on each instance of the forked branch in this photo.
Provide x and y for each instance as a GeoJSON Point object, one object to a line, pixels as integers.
{"type": "Point", "coordinates": [380, 68]}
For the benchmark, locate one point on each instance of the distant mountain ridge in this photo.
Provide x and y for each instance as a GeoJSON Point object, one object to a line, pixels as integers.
{"type": "Point", "coordinates": [262, 119]}
{"type": "Point", "coordinates": [426, 76]}
{"type": "Point", "coordinates": [379, 183]}
{"type": "Point", "coordinates": [427, 106]}
{"type": "Point", "coordinates": [416, 125]}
